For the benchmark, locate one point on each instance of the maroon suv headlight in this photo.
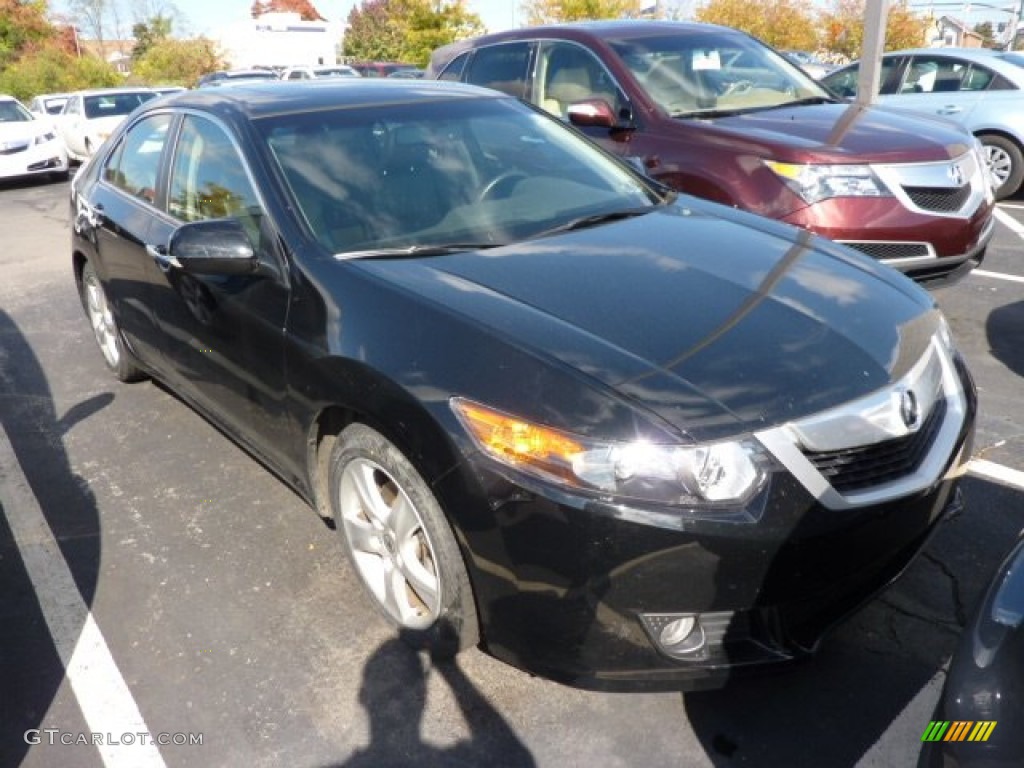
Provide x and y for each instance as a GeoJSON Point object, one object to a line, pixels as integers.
{"type": "Point", "coordinates": [814, 183]}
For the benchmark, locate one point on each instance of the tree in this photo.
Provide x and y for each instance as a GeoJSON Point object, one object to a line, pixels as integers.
{"type": "Point", "coordinates": [987, 34]}
{"type": "Point", "coordinates": [23, 26]}
{"type": "Point", "coordinates": [786, 24]}
{"type": "Point", "coordinates": [554, 11]}
{"type": "Point", "coordinates": [304, 8]}
{"type": "Point", "coordinates": [844, 27]}
{"type": "Point", "coordinates": [177, 62]}
{"type": "Point", "coordinates": [52, 69]}
{"type": "Point", "coordinates": [406, 30]}
{"type": "Point", "coordinates": [149, 33]}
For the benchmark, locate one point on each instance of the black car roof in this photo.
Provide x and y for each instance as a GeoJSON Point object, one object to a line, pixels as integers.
{"type": "Point", "coordinates": [257, 99]}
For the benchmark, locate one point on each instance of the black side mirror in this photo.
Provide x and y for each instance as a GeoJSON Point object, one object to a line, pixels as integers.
{"type": "Point", "coordinates": [213, 247]}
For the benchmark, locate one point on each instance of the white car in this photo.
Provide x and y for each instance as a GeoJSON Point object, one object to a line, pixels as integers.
{"type": "Point", "coordinates": [310, 73]}
{"type": "Point", "coordinates": [29, 145]}
{"type": "Point", "coordinates": [48, 104]}
{"type": "Point", "coordinates": [90, 116]}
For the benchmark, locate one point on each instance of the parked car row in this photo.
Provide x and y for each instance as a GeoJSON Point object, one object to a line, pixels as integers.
{"type": "Point", "coordinates": [613, 434]}
{"type": "Point", "coordinates": [713, 112]}
{"type": "Point", "coordinates": [980, 90]}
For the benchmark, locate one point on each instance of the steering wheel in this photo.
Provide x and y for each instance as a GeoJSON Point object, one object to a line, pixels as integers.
{"type": "Point", "coordinates": [509, 178]}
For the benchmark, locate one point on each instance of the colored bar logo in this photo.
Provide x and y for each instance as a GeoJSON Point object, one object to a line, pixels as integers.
{"type": "Point", "coordinates": [958, 730]}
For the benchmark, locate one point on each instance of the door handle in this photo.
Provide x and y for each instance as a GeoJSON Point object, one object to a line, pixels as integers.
{"type": "Point", "coordinates": [951, 109]}
{"type": "Point", "coordinates": [163, 260]}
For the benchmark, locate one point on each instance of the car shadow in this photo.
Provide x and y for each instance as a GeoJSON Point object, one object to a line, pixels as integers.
{"type": "Point", "coordinates": [1003, 329]}
{"type": "Point", "coordinates": [394, 695]}
{"type": "Point", "coordinates": [31, 671]}
{"type": "Point", "coordinates": [833, 709]}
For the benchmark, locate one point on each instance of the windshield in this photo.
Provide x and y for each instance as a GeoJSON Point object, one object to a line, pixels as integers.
{"type": "Point", "coordinates": [12, 112]}
{"type": "Point", "coordinates": [707, 72]}
{"type": "Point", "coordinates": [470, 173]}
{"type": "Point", "coordinates": [109, 104]}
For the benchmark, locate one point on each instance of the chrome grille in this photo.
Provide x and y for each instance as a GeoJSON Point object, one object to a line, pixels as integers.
{"type": "Point", "coordinates": [887, 251]}
{"type": "Point", "coordinates": [853, 469]}
{"type": "Point", "coordinates": [939, 199]}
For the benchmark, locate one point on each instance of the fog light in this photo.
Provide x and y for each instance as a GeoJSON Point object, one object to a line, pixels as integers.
{"type": "Point", "coordinates": [679, 635]}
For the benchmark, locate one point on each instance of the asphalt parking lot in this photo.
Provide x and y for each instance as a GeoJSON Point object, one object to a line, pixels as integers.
{"type": "Point", "coordinates": [203, 601]}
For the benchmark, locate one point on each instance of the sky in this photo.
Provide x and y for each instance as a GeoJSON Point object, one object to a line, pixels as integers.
{"type": "Point", "coordinates": [206, 16]}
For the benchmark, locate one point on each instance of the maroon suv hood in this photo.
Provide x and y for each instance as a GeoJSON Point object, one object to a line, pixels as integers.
{"type": "Point", "coordinates": [843, 133]}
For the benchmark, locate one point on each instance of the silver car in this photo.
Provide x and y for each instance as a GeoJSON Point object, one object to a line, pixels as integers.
{"type": "Point", "coordinates": [979, 89]}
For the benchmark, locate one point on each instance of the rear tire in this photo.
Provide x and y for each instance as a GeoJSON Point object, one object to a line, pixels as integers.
{"type": "Point", "coordinates": [400, 543]}
{"type": "Point", "coordinates": [1006, 163]}
{"type": "Point", "coordinates": [105, 328]}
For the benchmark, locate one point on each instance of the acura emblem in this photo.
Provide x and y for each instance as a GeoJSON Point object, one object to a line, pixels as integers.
{"type": "Point", "coordinates": [910, 412]}
{"type": "Point", "coordinates": [956, 174]}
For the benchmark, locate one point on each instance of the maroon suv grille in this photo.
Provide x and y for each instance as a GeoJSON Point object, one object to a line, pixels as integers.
{"type": "Point", "coordinates": [892, 250]}
{"type": "Point", "coordinates": [853, 469]}
{"type": "Point", "coordinates": [939, 199]}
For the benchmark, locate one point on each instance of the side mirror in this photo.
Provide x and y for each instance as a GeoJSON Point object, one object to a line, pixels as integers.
{"type": "Point", "coordinates": [213, 247]}
{"type": "Point", "coordinates": [592, 113]}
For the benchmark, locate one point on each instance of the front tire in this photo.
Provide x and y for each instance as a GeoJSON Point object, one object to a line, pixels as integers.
{"type": "Point", "coordinates": [1006, 163]}
{"type": "Point", "coordinates": [400, 543]}
{"type": "Point", "coordinates": [104, 327]}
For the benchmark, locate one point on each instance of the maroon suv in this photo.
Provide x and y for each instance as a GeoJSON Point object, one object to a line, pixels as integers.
{"type": "Point", "coordinates": [714, 112]}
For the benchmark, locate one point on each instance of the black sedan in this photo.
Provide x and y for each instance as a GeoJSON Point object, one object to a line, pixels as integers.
{"type": "Point", "coordinates": [613, 435]}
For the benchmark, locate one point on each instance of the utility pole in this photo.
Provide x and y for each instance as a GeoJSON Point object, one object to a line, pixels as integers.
{"type": "Point", "coordinates": [875, 15]}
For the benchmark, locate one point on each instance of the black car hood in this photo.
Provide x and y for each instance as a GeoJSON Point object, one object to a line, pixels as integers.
{"type": "Point", "coordinates": [712, 325]}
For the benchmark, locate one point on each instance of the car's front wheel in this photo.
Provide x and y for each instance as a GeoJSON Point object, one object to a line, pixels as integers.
{"type": "Point", "coordinates": [1005, 162]}
{"type": "Point", "coordinates": [400, 543]}
{"type": "Point", "coordinates": [104, 326]}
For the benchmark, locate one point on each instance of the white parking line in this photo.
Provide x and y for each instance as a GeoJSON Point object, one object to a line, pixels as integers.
{"type": "Point", "coordinates": [102, 694]}
{"type": "Point", "coordinates": [1008, 221]}
{"type": "Point", "coordinates": [997, 472]}
{"type": "Point", "coordinates": [998, 276]}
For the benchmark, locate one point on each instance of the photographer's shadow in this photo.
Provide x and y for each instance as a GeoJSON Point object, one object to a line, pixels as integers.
{"type": "Point", "coordinates": [394, 695]}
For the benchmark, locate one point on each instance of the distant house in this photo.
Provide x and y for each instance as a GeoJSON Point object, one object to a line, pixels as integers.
{"type": "Point", "coordinates": [117, 53]}
{"type": "Point", "coordinates": [279, 40]}
{"type": "Point", "coordinates": [947, 32]}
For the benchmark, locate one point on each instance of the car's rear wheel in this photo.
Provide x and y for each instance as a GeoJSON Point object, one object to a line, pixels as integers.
{"type": "Point", "coordinates": [400, 543]}
{"type": "Point", "coordinates": [1005, 162]}
{"type": "Point", "coordinates": [104, 327]}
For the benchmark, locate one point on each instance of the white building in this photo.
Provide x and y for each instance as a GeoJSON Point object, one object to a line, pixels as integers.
{"type": "Point", "coordinates": [280, 39]}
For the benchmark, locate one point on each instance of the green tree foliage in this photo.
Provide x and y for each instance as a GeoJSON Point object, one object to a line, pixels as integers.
{"type": "Point", "coordinates": [23, 26]}
{"type": "Point", "coordinates": [177, 62]}
{"type": "Point", "coordinates": [406, 30]}
{"type": "Point", "coordinates": [784, 24]}
{"type": "Point", "coordinates": [51, 69]}
{"type": "Point", "coordinates": [843, 25]}
{"type": "Point", "coordinates": [149, 33]}
{"type": "Point", "coordinates": [987, 34]}
{"type": "Point", "coordinates": [554, 11]}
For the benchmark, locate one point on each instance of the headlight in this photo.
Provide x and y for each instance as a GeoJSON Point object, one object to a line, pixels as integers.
{"type": "Point", "coordinates": [820, 182]}
{"type": "Point", "coordinates": [45, 138]}
{"type": "Point", "coordinates": [725, 474]}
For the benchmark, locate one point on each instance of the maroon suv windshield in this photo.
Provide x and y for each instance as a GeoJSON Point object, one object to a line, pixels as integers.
{"type": "Point", "coordinates": [688, 75]}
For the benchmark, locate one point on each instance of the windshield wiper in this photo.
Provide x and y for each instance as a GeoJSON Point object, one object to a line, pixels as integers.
{"type": "Point", "coordinates": [414, 251]}
{"type": "Point", "coordinates": [807, 100]}
{"type": "Point", "coordinates": [594, 219]}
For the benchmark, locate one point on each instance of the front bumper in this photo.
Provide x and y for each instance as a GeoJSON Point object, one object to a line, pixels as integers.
{"type": "Point", "coordinates": [574, 589]}
{"type": "Point", "coordinates": [34, 159]}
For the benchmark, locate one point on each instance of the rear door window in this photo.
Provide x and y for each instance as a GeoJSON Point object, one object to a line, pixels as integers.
{"type": "Point", "coordinates": [503, 67]}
